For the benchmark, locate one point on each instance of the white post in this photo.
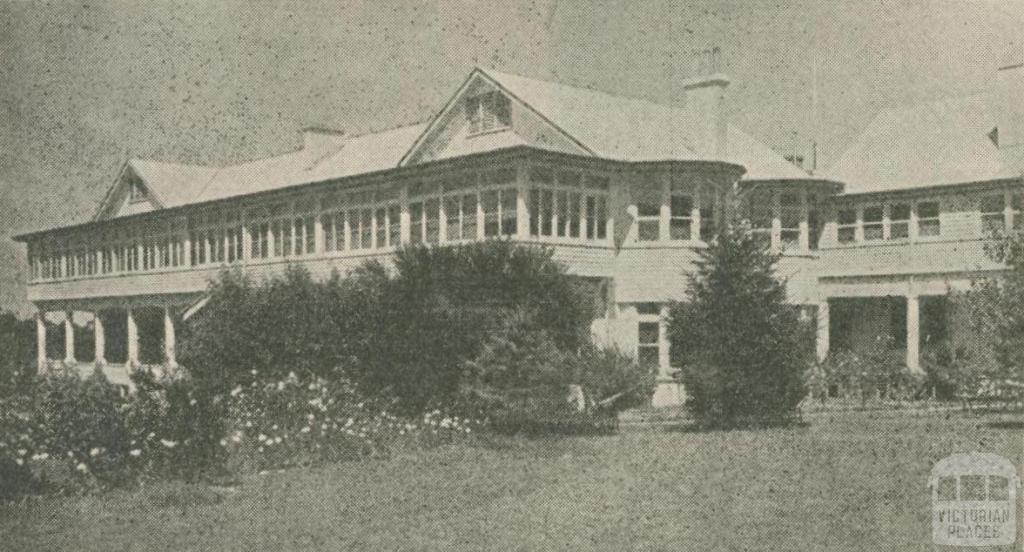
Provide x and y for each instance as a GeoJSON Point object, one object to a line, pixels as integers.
{"type": "Point", "coordinates": [522, 203]}
{"type": "Point", "coordinates": [41, 341]}
{"type": "Point", "coordinates": [133, 338]}
{"type": "Point", "coordinates": [822, 343]}
{"type": "Point", "coordinates": [69, 337]}
{"type": "Point", "coordinates": [913, 332]}
{"type": "Point", "coordinates": [100, 339]}
{"type": "Point", "coordinates": [169, 340]}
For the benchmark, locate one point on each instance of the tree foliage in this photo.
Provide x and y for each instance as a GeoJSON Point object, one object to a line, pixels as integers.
{"type": "Point", "coordinates": [742, 348]}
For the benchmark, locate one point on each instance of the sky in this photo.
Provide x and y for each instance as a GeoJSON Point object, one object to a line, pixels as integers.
{"type": "Point", "coordinates": [84, 85]}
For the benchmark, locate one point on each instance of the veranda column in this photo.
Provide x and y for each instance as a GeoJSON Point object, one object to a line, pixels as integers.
{"type": "Point", "coordinates": [169, 339]}
{"type": "Point", "coordinates": [913, 332]}
{"type": "Point", "coordinates": [133, 338]}
{"type": "Point", "coordinates": [99, 339]}
{"type": "Point", "coordinates": [69, 337]}
{"type": "Point", "coordinates": [822, 344]}
{"type": "Point", "coordinates": [41, 341]}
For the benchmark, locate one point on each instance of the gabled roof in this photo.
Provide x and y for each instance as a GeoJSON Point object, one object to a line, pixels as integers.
{"type": "Point", "coordinates": [602, 124]}
{"type": "Point", "coordinates": [930, 144]}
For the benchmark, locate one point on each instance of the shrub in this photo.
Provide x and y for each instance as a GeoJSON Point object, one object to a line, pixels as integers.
{"type": "Point", "coordinates": [176, 427]}
{"type": "Point", "coordinates": [405, 332]}
{"type": "Point", "coordinates": [17, 344]}
{"type": "Point", "coordinates": [742, 349]}
{"type": "Point", "coordinates": [611, 379]}
{"type": "Point", "coordinates": [878, 373]}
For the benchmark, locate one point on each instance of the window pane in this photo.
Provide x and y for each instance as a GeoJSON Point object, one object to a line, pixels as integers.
{"type": "Point", "coordinates": [647, 356]}
{"type": "Point", "coordinates": [873, 214]}
{"type": "Point", "coordinates": [847, 234]}
{"type": "Point", "coordinates": [562, 208]}
{"type": "Point", "coordinates": [395, 225]}
{"type": "Point", "coordinates": [469, 217]}
{"type": "Point", "coordinates": [452, 211]}
{"type": "Point", "coordinates": [574, 215]}
{"type": "Point", "coordinates": [647, 230]}
{"type": "Point", "coordinates": [648, 308]}
{"type": "Point", "coordinates": [992, 204]}
{"type": "Point", "coordinates": [416, 222]}
{"type": "Point", "coordinates": [380, 227]}
{"type": "Point", "coordinates": [541, 175]}
{"type": "Point", "coordinates": [929, 228]}
{"type": "Point", "coordinates": [535, 216]}
{"type": "Point", "coordinates": [602, 218]}
{"type": "Point", "coordinates": [682, 205]}
{"type": "Point", "coordinates": [872, 232]}
{"type": "Point", "coordinates": [432, 212]}
{"type": "Point", "coordinates": [928, 210]}
{"type": "Point", "coordinates": [366, 228]}
{"type": "Point", "coordinates": [547, 200]}
{"type": "Point", "coordinates": [648, 208]}
{"type": "Point", "coordinates": [648, 333]}
{"type": "Point", "coordinates": [679, 228]}
{"type": "Point", "coordinates": [489, 201]}
{"type": "Point", "coordinates": [789, 236]}
{"type": "Point", "coordinates": [508, 212]}
{"type": "Point", "coordinates": [847, 216]}
{"type": "Point", "coordinates": [899, 230]}
{"type": "Point", "coordinates": [591, 214]}
{"type": "Point", "coordinates": [899, 211]}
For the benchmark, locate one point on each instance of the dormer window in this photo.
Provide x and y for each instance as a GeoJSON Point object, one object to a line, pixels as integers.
{"type": "Point", "coordinates": [136, 192]}
{"type": "Point", "coordinates": [488, 112]}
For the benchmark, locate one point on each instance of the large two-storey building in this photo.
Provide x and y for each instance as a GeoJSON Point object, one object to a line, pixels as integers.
{"type": "Point", "coordinates": [626, 192]}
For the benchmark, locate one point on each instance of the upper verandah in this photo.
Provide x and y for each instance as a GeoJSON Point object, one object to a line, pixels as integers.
{"type": "Point", "coordinates": [541, 114]}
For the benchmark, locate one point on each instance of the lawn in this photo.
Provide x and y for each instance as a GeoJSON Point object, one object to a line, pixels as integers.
{"type": "Point", "coordinates": [846, 481]}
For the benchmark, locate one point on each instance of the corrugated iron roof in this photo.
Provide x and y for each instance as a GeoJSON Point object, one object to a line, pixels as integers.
{"type": "Point", "coordinates": [930, 144]}
{"type": "Point", "coordinates": [615, 127]}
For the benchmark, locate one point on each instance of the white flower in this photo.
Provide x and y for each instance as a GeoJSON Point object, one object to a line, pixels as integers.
{"type": "Point", "coordinates": [277, 440]}
{"type": "Point", "coordinates": [19, 461]}
{"type": "Point", "coordinates": [236, 391]}
{"type": "Point", "coordinates": [223, 443]}
{"type": "Point", "coordinates": [349, 422]}
{"type": "Point", "coordinates": [237, 437]}
{"type": "Point", "coordinates": [22, 452]}
{"type": "Point", "coordinates": [248, 424]}
{"type": "Point", "coordinates": [151, 435]}
{"type": "Point", "coordinates": [193, 402]}
{"type": "Point", "coordinates": [40, 456]}
{"type": "Point", "coordinates": [274, 427]}
{"type": "Point", "coordinates": [253, 372]}
{"type": "Point", "coordinates": [305, 429]}
{"type": "Point", "coordinates": [94, 452]}
{"type": "Point", "coordinates": [135, 452]}
{"type": "Point", "coordinates": [168, 443]}
{"type": "Point", "coordinates": [82, 467]}
{"type": "Point", "coordinates": [280, 386]}
{"type": "Point", "coordinates": [261, 437]}
{"type": "Point", "coordinates": [310, 416]}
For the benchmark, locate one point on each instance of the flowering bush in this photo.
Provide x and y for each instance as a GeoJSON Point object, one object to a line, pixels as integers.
{"type": "Point", "coordinates": [302, 421]}
{"type": "Point", "coordinates": [876, 374]}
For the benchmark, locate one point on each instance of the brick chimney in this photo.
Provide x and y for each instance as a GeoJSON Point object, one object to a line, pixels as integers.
{"type": "Point", "coordinates": [705, 104]}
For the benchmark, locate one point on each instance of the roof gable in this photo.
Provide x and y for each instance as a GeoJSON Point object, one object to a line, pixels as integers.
{"type": "Point", "coordinates": [935, 143]}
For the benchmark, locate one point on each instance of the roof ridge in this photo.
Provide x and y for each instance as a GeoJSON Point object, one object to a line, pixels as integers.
{"type": "Point", "coordinates": [490, 71]}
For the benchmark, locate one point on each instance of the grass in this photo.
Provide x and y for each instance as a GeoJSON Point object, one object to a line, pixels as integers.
{"type": "Point", "coordinates": [854, 480]}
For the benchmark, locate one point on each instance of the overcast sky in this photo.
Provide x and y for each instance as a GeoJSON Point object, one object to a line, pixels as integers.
{"type": "Point", "coordinates": [83, 84]}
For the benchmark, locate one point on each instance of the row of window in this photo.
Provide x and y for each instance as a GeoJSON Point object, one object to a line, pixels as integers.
{"type": "Point", "coordinates": [691, 213]}
{"type": "Point", "coordinates": [469, 207]}
{"type": "Point", "coordinates": [887, 222]}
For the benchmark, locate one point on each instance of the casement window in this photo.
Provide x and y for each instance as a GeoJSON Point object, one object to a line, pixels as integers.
{"type": "Point", "coordinates": [760, 213]}
{"type": "Point", "coordinates": [568, 205]}
{"type": "Point", "coordinates": [648, 213]}
{"type": "Point", "coordinates": [259, 240]}
{"type": "Point", "coordinates": [334, 230]}
{"type": "Point", "coordinates": [498, 202]}
{"type": "Point", "coordinates": [424, 213]}
{"type": "Point", "coordinates": [680, 222]}
{"type": "Point", "coordinates": [487, 112]}
{"type": "Point", "coordinates": [461, 212]}
{"type": "Point", "coordinates": [899, 221]}
{"type": "Point", "coordinates": [648, 345]}
{"type": "Point", "coordinates": [928, 222]}
{"type": "Point", "coordinates": [708, 213]}
{"type": "Point", "coordinates": [846, 229]}
{"type": "Point", "coordinates": [791, 214]}
{"type": "Point", "coordinates": [993, 214]}
{"type": "Point", "coordinates": [234, 244]}
{"type": "Point", "coordinates": [873, 220]}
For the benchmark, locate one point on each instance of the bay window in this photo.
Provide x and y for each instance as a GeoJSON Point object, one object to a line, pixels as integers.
{"type": "Point", "coordinates": [680, 215]}
{"type": "Point", "coordinates": [790, 216]}
{"type": "Point", "coordinates": [648, 214]}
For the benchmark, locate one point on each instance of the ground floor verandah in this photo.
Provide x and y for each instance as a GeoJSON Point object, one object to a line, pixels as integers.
{"type": "Point", "coordinates": [126, 334]}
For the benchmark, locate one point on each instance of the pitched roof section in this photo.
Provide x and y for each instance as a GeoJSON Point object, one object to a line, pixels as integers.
{"type": "Point", "coordinates": [930, 144]}
{"type": "Point", "coordinates": [610, 126]}
{"type": "Point", "coordinates": [176, 184]}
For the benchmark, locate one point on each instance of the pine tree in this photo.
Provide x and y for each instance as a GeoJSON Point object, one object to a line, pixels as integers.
{"type": "Point", "coordinates": [743, 350]}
